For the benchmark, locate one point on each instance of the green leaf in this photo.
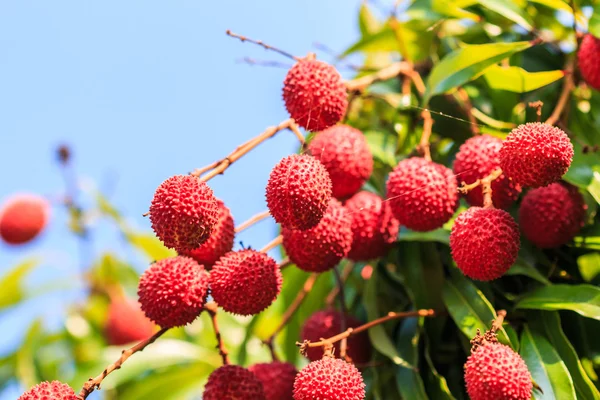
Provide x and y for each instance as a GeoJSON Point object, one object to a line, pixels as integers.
{"type": "Point", "coordinates": [150, 245]}
{"type": "Point", "coordinates": [436, 385]}
{"type": "Point", "coordinates": [367, 22]}
{"type": "Point", "coordinates": [522, 268]}
{"type": "Point", "coordinates": [589, 266]}
{"type": "Point", "coordinates": [510, 10]}
{"type": "Point", "coordinates": [555, 4]}
{"type": "Point", "coordinates": [583, 299]}
{"type": "Point", "coordinates": [594, 24]}
{"type": "Point", "coordinates": [13, 285]}
{"type": "Point", "coordinates": [409, 382]}
{"type": "Point", "coordinates": [25, 369]}
{"type": "Point", "coordinates": [439, 235]}
{"type": "Point", "coordinates": [383, 146]}
{"type": "Point", "coordinates": [594, 186]}
{"type": "Point", "coordinates": [384, 40]}
{"type": "Point", "coordinates": [516, 79]}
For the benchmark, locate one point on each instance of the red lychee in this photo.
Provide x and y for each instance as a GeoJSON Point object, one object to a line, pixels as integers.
{"type": "Point", "coordinates": [422, 194]}
{"type": "Point", "coordinates": [23, 217]}
{"type": "Point", "coordinates": [374, 227]}
{"type": "Point", "coordinates": [298, 192]}
{"type": "Point", "coordinates": [320, 248]}
{"type": "Point", "coordinates": [172, 292]}
{"type": "Point", "coordinates": [589, 60]}
{"type": "Point", "coordinates": [343, 150]}
{"type": "Point", "coordinates": [232, 382]}
{"type": "Point", "coordinates": [495, 371]}
{"type": "Point", "coordinates": [277, 379]}
{"type": "Point", "coordinates": [54, 390]}
{"type": "Point", "coordinates": [183, 212]}
{"type": "Point", "coordinates": [484, 242]}
{"type": "Point", "coordinates": [551, 216]}
{"type": "Point", "coordinates": [536, 154]}
{"type": "Point", "coordinates": [476, 159]}
{"type": "Point", "coordinates": [314, 95]}
{"type": "Point", "coordinates": [329, 379]}
{"type": "Point", "coordinates": [245, 282]}
{"type": "Point", "coordinates": [126, 323]}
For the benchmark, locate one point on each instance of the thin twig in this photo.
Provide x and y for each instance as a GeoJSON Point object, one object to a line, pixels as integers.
{"type": "Point", "coordinates": [486, 187]}
{"type": "Point", "coordinates": [497, 324]}
{"type": "Point", "coordinates": [272, 244]}
{"type": "Point", "coordinates": [568, 85]}
{"type": "Point", "coordinates": [423, 146]}
{"type": "Point", "coordinates": [211, 308]}
{"type": "Point", "coordinates": [538, 105]}
{"type": "Point", "coordinates": [464, 97]}
{"type": "Point", "coordinates": [252, 220]}
{"type": "Point", "coordinates": [294, 128]}
{"type": "Point", "coordinates": [344, 310]}
{"type": "Point", "coordinates": [263, 44]}
{"type": "Point", "coordinates": [334, 292]}
{"type": "Point", "coordinates": [264, 63]}
{"type": "Point", "coordinates": [285, 263]}
{"type": "Point", "coordinates": [383, 74]}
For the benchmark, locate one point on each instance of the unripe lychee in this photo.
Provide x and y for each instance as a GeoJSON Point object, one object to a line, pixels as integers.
{"type": "Point", "coordinates": [325, 324]}
{"type": "Point", "coordinates": [183, 212]}
{"type": "Point", "coordinates": [495, 371]}
{"type": "Point", "coordinates": [484, 242]}
{"type": "Point", "coordinates": [232, 382]}
{"type": "Point", "coordinates": [329, 379]}
{"type": "Point", "coordinates": [54, 390]}
{"type": "Point", "coordinates": [172, 292]}
{"type": "Point", "coordinates": [314, 95]}
{"type": "Point", "coordinates": [126, 323]}
{"type": "Point", "coordinates": [23, 217]}
{"type": "Point", "coordinates": [245, 282]}
{"type": "Point", "coordinates": [476, 159]}
{"type": "Point", "coordinates": [320, 248]}
{"type": "Point", "coordinates": [551, 216]}
{"type": "Point", "coordinates": [374, 227]}
{"type": "Point", "coordinates": [422, 194]}
{"type": "Point", "coordinates": [536, 154]}
{"type": "Point", "coordinates": [589, 60]}
{"type": "Point", "coordinates": [277, 379]}
{"type": "Point", "coordinates": [298, 192]}
{"type": "Point", "coordinates": [344, 152]}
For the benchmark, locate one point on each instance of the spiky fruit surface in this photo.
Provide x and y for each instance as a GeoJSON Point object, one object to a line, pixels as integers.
{"type": "Point", "coordinates": [314, 95]}
{"type": "Point", "coordinates": [325, 324]}
{"type": "Point", "coordinates": [183, 212]}
{"type": "Point", "coordinates": [551, 216]}
{"type": "Point", "coordinates": [495, 371]}
{"type": "Point", "coordinates": [219, 242]}
{"type": "Point", "coordinates": [536, 154]}
{"type": "Point", "coordinates": [245, 282]}
{"type": "Point", "coordinates": [173, 291]}
{"type": "Point", "coordinates": [589, 60]}
{"type": "Point", "coordinates": [277, 379]}
{"type": "Point", "coordinates": [477, 158]}
{"type": "Point", "coordinates": [23, 217]}
{"type": "Point", "coordinates": [320, 248]}
{"type": "Point", "coordinates": [54, 390]}
{"type": "Point", "coordinates": [232, 382]}
{"type": "Point", "coordinates": [126, 323]}
{"type": "Point", "coordinates": [345, 153]}
{"type": "Point", "coordinates": [298, 192]}
{"type": "Point", "coordinates": [374, 227]}
{"type": "Point", "coordinates": [329, 379]}
{"type": "Point", "coordinates": [422, 194]}
{"type": "Point", "coordinates": [484, 242]}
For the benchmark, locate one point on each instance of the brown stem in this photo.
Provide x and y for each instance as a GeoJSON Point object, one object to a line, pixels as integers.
{"type": "Point", "coordinates": [211, 308]}
{"type": "Point", "coordinates": [263, 44]}
{"type": "Point", "coordinates": [538, 105]}
{"type": "Point", "coordinates": [497, 324]}
{"type": "Point", "coordinates": [334, 292]}
{"type": "Point", "coordinates": [389, 72]}
{"type": "Point", "coordinates": [285, 263]}
{"type": "Point", "coordinates": [294, 128]}
{"type": "Point", "coordinates": [272, 244]}
{"type": "Point", "coordinates": [464, 97]}
{"type": "Point", "coordinates": [568, 84]}
{"type": "Point", "coordinates": [264, 63]}
{"type": "Point", "coordinates": [344, 310]}
{"type": "Point", "coordinates": [423, 146]}
{"type": "Point", "coordinates": [252, 220]}
{"type": "Point", "coordinates": [486, 187]}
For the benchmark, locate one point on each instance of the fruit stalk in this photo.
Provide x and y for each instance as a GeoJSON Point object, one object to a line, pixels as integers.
{"type": "Point", "coordinates": [462, 94]}
{"type": "Point", "coordinates": [211, 308]}
{"type": "Point", "coordinates": [565, 93]}
{"type": "Point", "coordinates": [252, 220]}
{"type": "Point", "coordinates": [423, 146]}
{"type": "Point", "coordinates": [486, 187]}
{"type": "Point", "coordinates": [334, 292]}
{"type": "Point", "coordinates": [263, 44]}
{"type": "Point", "coordinates": [342, 298]}
{"type": "Point", "coordinates": [272, 244]}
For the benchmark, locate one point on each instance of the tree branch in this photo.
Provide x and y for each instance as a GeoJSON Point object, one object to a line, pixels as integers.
{"type": "Point", "coordinates": [486, 187]}
{"type": "Point", "coordinates": [212, 309]}
{"type": "Point", "coordinates": [262, 44]}
{"type": "Point", "coordinates": [423, 146]}
{"type": "Point", "coordinates": [252, 220]}
{"type": "Point", "coordinates": [568, 85]}
{"type": "Point", "coordinates": [272, 244]}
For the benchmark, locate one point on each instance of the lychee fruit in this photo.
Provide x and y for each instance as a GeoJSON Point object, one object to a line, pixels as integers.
{"type": "Point", "coordinates": [315, 95]}
{"type": "Point", "coordinates": [536, 154]}
{"type": "Point", "coordinates": [54, 390]}
{"type": "Point", "coordinates": [232, 382]}
{"type": "Point", "coordinates": [329, 379]}
{"type": "Point", "coordinates": [484, 242]}
{"type": "Point", "coordinates": [589, 60]}
{"type": "Point", "coordinates": [23, 217]}
{"type": "Point", "coordinates": [320, 248]}
{"type": "Point", "coordinates": [551, 216]}
{"type": "Point", "coordinates": [245, 282]}
{"type": "Point", "coordinates": [374, 227]}
{"type": "Point", "coordinates": [325, 324]}
{"type": "Point", "coordinates": [495, 371]}
{"type": "Point", "coordinates": [422, 194]}
{"type": "Point", "coordinates": [298, 192]}
{"type": "Point", "coordinates": [126, 323]}
{"type": "Point", "coordinates": [477, 158]}
{"type": "Point", "coordinates": [277, 379]}
{"type": "Point", "coordinates": [344, 152]}
{"type": "Point", "coordinates": [172, 292]}
{"type": "Point", "coordinates": [184, 212]}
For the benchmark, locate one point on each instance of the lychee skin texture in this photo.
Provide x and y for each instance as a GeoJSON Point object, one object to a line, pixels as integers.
{"type": "Point", "coordinates": [314, 95]}
{"type": "Point", "coordinates": [329, 379]}
{"type": "Point", "coordinates": [23, 217]}
{"type": "Point", "coordinates": [232, 382]}
{"type": "Point", "coordinates": [54, 390]}
{"type": "Point", "coordinates": [536, 154]}
{"type": "Point", "coordinates": [183, 212]}
{"type": "Point", "coordinates": [374, 227]}
{"type": "Point", "coordinates": [477, 158]}
{"type": "Point", "coordinates": [344, 152]}
{"type": "Point", "coordinates": [245, 282]}
{"type": "Point", "coordinates": [298, 192]}
{"type": "Point", "coordinates": [220, 241]}
{"type": "Point", "coordinates": [320, 248]}
{"type": "Point", "coordinates": [172, 292]}
{"type": "Point", "coordinates": [126, 323]}
{"type": "Point", "coordinates": [277, 379]}
{"type": "Point", "coordinates": [589, 60]}
{"type": "Point", "coordinates": [325, 324]}
{"type": "Point", "coordinates": [484, 242]}
{"type": "Point", "coordinates": [495, 371]}
{"type": "Point", "coordinates": [423, 195]}
{"type": "Point", "coordinates": [553, 215]}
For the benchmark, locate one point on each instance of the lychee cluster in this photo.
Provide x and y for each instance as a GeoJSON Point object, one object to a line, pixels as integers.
{"type": "Point", "coordinates": [589, 60]}
{"type": "Point", "coordinates": [277, 379]}
{"type": "Point", "coordinates": [54, 390]}
{"type": "Point", "coordinates": [22, 218]}
{"type": "Point", "coordinates": [232, 382]}
{"type": "Point", "coordinates": [126, 323]}
{"type": "Point", "coordinates": [329, 379]}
